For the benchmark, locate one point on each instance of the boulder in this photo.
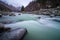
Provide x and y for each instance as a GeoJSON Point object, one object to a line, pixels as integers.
{"type": "Point", "coordinates": [1, 25]}
{"type": "Point", "coordinates": [12, 14]}
{"type": "Point", "coordinates": [39, 17]}
{"type": "Point", "coordinates": [3, 28]}
{"type": "Point", "coordinates": [16, 34]}
{"type": "Point", "coordinates": [0, 15]}
{"type": "Point", "coordinates": [19, 14]}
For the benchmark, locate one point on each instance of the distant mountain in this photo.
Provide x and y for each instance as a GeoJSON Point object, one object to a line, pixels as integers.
{"type": "Point", "coordinates": [5, 7]}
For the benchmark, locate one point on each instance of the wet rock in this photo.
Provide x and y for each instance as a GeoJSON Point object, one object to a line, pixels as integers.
{"type": "Point", "coordinates": [39, 17]}
{"type": "Point", "coordinates": [3, 28]}
{"type": "Point", "coordinates": [12, 14]}
{"type": "Point", "coordinates": [52, 15]}
{"type": "Point", "coordinates": [0, 15]}
{"type": "Point", "coordinates": [56, 20]}
{"type": "Point", "coordinates": [16, 34]}
{"type": "Point", "coordinates": [19, 14]}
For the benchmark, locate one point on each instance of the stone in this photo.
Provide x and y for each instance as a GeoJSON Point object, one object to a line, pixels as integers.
{"type": "Point", "coordinates": [1, 25]}
{"type": "Point", "coordinates": [12, 14]}
{"type": "Point", "coordinates": [6, 22]}
{"type": "Point", "coordinates": [3, 28]}
{"type": "Point", "coordinates": [16, 34]}
{"type": "Point", "coordinates": [56, 20]}
{"type": "Point", "coordinates": [52, 15]}
{"type": "Point", "coordinates": [19, 14]}
{"type": "Point", "coordinates": [0, 15]}
{"type": "Point", "coordinates": [39, 17]}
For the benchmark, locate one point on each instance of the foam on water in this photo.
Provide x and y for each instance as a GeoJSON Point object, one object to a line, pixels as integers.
{"type": "Point", "coordinates": [38, 29]}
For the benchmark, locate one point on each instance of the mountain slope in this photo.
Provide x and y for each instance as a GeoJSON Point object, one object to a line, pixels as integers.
{"type": "Point", "coordinates": [6, 7]}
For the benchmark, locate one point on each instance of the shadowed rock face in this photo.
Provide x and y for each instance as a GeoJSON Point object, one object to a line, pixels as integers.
{"type": "Point", "coordinates": [33, 6]}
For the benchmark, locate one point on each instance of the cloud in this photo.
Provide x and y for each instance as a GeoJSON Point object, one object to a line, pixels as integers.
{"type": "Point", "coordinates": [18, 3]}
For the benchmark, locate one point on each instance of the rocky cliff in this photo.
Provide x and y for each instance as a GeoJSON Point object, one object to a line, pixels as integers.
{"type": "Point", "coordinates": [33, 6]}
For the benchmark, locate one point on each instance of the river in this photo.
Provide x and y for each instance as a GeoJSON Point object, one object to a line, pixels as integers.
{"type": "Point", "coordinates": [44, 28]}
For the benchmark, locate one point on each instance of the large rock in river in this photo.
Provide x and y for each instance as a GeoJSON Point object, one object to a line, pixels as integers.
{"type": "Point", "coordinates": [3, 28]}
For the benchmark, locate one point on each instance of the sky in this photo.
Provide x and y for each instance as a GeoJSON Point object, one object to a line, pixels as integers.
{"type": "Point", "coordinates": [17, 3]}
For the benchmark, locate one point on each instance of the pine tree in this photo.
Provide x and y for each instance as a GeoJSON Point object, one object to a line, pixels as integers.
{"type": "Point", "coordinates": [22, 8]}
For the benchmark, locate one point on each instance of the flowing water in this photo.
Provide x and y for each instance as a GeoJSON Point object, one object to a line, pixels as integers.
{"type": "Point", "coordinates": [45, 28]}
